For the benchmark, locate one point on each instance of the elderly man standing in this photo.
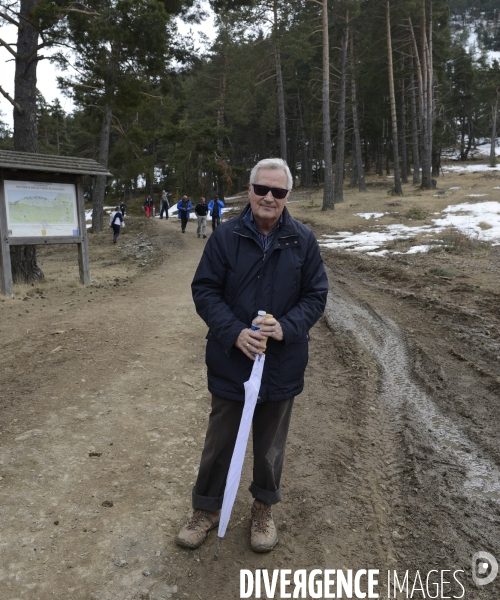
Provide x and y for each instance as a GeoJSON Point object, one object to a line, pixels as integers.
{"type": "Point", "coordinates": [262, 260]}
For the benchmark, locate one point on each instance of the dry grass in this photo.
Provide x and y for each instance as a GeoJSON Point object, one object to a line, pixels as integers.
{"type": "Point", "coordinates": [484, 225]}
{"type": "Point", "coordinates": [457, 242]}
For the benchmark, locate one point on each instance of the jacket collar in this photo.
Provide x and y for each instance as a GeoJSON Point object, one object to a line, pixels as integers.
{"type": "Point", "coordinates": [287, 228]}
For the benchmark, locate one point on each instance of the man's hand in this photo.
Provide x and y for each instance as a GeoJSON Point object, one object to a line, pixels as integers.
{"type": "Point", "coordinates": [250, 343]}
{"type": "Point", "coordinates": [271, 328]}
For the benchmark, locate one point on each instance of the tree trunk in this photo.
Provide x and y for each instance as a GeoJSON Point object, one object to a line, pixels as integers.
{"type": "Point", "coordinates": [328, 201]}
{"type": "Point", "coordinates": [23, 258]}
{"type": "Point", "coordinates": [305, 170]}
{"type": "Point", "coordinates": [24, 266]}
{"type": "Point", "coordinates": [430, 92]}
{"type": "Point", "coordinates": [414, 133]}
{"type": "Point", "coordinates": [436, 161]}
{"type": "Point", "coordinates": [100, 185]}
{"type": "Point", "coordinates": [221, 112]}
{"type": "Point", "coordinates": [427, 102]}
{"type": "Point", "coordinates": [281, 93]}
{"type": "Point", "coordinates": [423, 80]}
{"type": "Point", "coordinates": [367, 152]}
{"type": "Point", "coordinates": [397, 181]}
{"type": "Point", "coordinates": [338, 190]}
{"type": "Point", "coordinates": [494, 111]}
{"type": "Point", "coordinates": [354, 166]}
{"type": "Point", "coordinates": [357, 138]}
{"type": "Point", "coordinates": [25, 122]}
{"type": "Point", "coordinates": [379, 166]}
{"type": "Point", "coordinates": [404, 159]}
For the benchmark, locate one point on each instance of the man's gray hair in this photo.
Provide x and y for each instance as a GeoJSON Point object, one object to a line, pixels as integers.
{"type": "Point", "coordinates": [275, 164]}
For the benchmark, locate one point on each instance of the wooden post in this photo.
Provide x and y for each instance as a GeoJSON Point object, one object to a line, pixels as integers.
{"type": "Point", "coordinates": [83, 248]}
{"type": "Point", "coordinates": [5, 266]}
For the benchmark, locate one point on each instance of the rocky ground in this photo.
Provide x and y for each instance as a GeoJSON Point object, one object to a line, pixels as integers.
{"type": "Point", "coordinates": [393, 459]}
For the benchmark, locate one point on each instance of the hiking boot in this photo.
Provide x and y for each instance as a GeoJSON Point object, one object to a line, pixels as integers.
{"type": "Point", "coordinates": [263, 534]}
{"type": "Point", "coordinates": [195, 532]}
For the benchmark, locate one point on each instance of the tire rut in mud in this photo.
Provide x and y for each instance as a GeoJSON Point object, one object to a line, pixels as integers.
{"type": "Point", "coordinates": [441, 487]}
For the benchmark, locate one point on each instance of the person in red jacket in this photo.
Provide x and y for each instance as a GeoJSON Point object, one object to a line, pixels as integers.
{"type": "Point", "coordinates": [148, 206]}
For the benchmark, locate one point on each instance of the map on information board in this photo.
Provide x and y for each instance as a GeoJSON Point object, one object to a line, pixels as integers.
{"type": "Point", "coordinates": [40, 209]}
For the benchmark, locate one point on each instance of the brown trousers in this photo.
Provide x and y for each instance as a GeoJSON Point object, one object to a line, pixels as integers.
{"type": "Point", "coordinates": [269, 429]}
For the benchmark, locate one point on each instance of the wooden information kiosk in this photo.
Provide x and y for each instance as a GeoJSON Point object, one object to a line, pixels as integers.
{"type": "Point", "coordinates": [41, 202]}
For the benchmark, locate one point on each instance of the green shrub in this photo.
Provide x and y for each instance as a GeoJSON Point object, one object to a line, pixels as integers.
{"type": "Point", "coordinates": [440, 272]}
{"type": "Point", "coordinates": [416, 213]}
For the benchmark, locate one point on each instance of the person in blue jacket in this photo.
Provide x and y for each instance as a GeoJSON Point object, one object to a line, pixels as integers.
{"type": "Point", "coordinates": [215, 207]}
{"type": "Point", "coordinates": [261, 260]}
{"type": "Point", "coordinates": [184, 208]}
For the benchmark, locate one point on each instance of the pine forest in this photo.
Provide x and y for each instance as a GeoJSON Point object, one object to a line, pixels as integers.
{"type": "Point", "coordinates": [337, 88]}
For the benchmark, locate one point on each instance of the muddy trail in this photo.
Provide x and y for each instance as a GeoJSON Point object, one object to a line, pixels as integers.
{"type": "Point", "coordinates": [392, 460]}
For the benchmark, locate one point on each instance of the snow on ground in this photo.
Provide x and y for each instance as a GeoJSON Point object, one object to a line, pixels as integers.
{"type": "Point", "coordinates": [484, 149]}
{"type": "Point", "coordinates": [469, 168]}
{"type": "Point", "coordinates": [468, 218]}
{"type": "Point", "coordinates": [370, 215]}
{"type": "Point", "coordinates": [88, 217]}
{"type": "Point", "coordinates": [481, 221]}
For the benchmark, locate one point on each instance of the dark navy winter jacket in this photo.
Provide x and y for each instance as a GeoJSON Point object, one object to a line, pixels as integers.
{"type": "Point", "coordinates": [235, 279]}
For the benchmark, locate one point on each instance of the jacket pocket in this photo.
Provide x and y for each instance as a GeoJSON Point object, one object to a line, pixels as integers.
{"type": "Point", "coordinates": [232, 367]}
{"type": "Point", "coordinates": [293, 362]}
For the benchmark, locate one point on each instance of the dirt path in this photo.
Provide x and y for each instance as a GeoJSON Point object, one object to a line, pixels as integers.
{"type": "Point", "coordinates": [104, 408]}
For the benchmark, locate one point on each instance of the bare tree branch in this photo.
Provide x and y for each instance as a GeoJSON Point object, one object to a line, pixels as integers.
{"type": "Point", "coordinates": [150, 95]}
{"type": "Point", "coordinates": [263, 80]}
{"type": "Point", "coordinates": [82, 12]}
{"type": "Point", "coordinates": [8, 47]}
{"type": "Point", "coordinates": [20, 111]}
{"type": "Point", "coordinates": [9, 19]}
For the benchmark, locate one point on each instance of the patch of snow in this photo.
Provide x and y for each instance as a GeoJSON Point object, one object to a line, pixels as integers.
{"type": "Point", "coordinates": [484, 149]}
{"type": "Point", "coordinates": [339, 234]}
{"type": "Point", "coordinates": [370, 215]}
{"type": "Point", "coordinates": [476, 195]}
{"type": "Point", "coordinates": [416, 249]}
{"type": "Point", "coordinates": [468, 168]}
{"type": "Point", "coordinates": [465, 217]}
{"type": "Point", "coordinates": [454, 188]}
{"type": "Point", "coordinates": [484, 212]}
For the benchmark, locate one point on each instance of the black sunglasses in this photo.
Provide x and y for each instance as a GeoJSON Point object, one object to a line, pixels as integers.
{"type": "Point", "coordinates": [263, 190]}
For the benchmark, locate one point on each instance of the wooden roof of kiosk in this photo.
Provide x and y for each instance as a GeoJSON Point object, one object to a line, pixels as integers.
{"type": "Point", "coordinates": [26, 166]}
{"type": "Point", "coordinates": [48, 163]}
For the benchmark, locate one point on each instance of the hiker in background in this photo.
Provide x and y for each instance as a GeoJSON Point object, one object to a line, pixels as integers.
{"type": "Point", "coordinates": [215, 207]}
{"type": "Point", "coordinates": [148, 206]}
{"type": "Point", "coordinates": [184, 207]}
{"type": "Point", "coordinates": [201, 210]}
{"type": "Point", "coordinates": [165, 205]}
{"type": "Point", "coordinates": [123, 208]}
{"type": "Point", "coordinates": [115, 222]}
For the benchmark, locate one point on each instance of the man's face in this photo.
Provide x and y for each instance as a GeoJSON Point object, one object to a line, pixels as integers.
{"type": "Point", "coordinates": [203, 200]}
{"type": "Point", "coordinates": [184, 197]}
{"type": "Point", "coordinates": [268, 208]}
